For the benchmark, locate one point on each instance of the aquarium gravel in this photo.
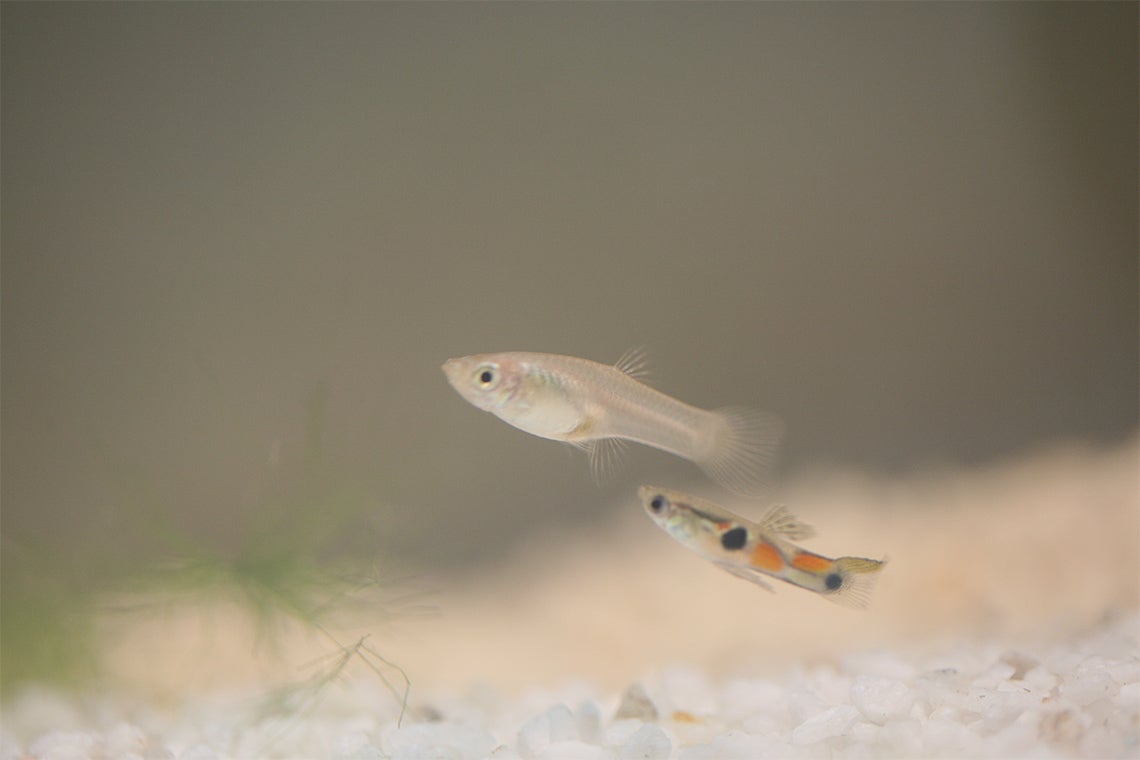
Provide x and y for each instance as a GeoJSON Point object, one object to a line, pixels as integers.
{"type": "Point", "coordinates": [1074, 698]}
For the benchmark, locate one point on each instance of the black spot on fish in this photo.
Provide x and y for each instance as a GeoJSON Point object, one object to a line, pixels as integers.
{"type": "Point", "coordinates": [833, 581]}
{"type": "Point", "coordinates": [734, 539]}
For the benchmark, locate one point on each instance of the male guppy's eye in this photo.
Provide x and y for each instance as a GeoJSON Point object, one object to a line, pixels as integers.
{"type": "Point", "coordinates": [657, 503]}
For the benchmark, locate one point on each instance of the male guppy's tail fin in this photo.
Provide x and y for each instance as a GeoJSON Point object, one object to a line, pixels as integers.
{"type": "Point", "coordinates": [851, 580]}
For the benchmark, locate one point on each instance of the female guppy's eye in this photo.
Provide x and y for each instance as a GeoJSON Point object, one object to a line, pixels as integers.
{"type": "Point", "coordinates": [486, 376]}
{"type": "Point", "coordinates": [657, 504]}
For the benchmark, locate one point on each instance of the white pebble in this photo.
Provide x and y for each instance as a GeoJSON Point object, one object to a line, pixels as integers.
{"type": "Point", "coordinates": [997, 673]}
{"type": "Point", "coordinates": [9, 750]}
{"type": "Point", "coordinates": [635, 703]}
{"type": "Point", "coordinates": [946, 736]}
{"type": "Point", "coordinates": [198, 752]}
{"type": "Point", "coordinates": [125, 739]}
{"type": "Point", "coordinates": [1100, 741]}
{"type": "Point", "coordinates": [588, 719]}
{"type": "Point", "coordinates": [64, 745]}
{"type": "Point", "coordinates": [881, 699]}
{"type": "Point", "coordinates": [802, 703]}
{"type": "Point", "coordinates": [1041, 679]}
{"type": "Point", "coordinates": [904, 737]}
{"type": "Point", "coordinates": [1020, 662]}
{"type": "Point", "coordinates": [555, 725]}
{"type": "Point", "coordinates": [1087, 686]}
{"type": "Point", "coordinates": [698, 752]}
{"type": "Point", "coordinates": [354, 746]}
{"type": "Point", "coordinates": [736, 745]}
{"type": "Point", "coordinates": [1014, 739]}
{"type": "Point", "coordinates": [1003, 708]}
{"type": "Point", "coordinates": [1130, 695]}
{"type": "Point", "coordinates": [834, 721]}
{"type": "Point", "coordinates": [426, 752]}
{"type": "Point", "coordinates": [619, 731]}
{"type": "Point", "coordinates": [420, 740]}
{"type": "Point", "coordinates": [763, 724]}
{"type": "Point", "coordinates": [574, 750]}
{"type": "Point", "coordinates": [863, 732]}
{"type": "Point", "coordinates": [647, 743]}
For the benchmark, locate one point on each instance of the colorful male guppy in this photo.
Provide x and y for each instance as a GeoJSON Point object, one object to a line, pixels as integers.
{"type": "Point", "coordinates": [597, 407]}
{"type": "Point", "coordinates": [751, 550]}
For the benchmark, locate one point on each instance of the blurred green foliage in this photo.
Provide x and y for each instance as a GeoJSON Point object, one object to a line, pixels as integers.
{"type": "Point", "coordinates": [285, 563]}
{"type": "Point", "coordinates": [46, 623]}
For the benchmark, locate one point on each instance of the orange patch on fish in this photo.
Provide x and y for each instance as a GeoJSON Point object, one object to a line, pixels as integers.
{"type": "Point", "coordinates": [767, 557]}
{"type": "Point", "coordinates": [812, 563]}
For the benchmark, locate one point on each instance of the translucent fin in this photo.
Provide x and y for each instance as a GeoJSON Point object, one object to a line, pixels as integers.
{"type": "Point", "coordinates": [780, 521]}
{"type": "Point", "coordinates": [742, 448]}
{"type": "Point", "coordinates": [605, 456]}
{"type": "Point", "coordinates": [635, 363]}
{"type": "Point", "coordinates": [747, 573]}
{"type": "Point", "coordinates": [859, 577]}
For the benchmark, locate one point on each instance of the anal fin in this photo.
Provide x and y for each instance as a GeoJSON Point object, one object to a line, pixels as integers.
{"type": "Point", "coordinates": [745, 573]}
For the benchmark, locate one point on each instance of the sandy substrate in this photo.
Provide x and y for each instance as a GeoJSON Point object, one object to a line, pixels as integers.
{"type": "Point", "coordinates": [1004, 625]}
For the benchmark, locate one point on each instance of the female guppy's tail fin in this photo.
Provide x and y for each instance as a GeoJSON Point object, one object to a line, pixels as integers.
{"type": "Point", "coordinates": [741, 446]}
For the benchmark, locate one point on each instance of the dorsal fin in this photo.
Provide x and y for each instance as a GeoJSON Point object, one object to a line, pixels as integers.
{"type": "Point", "coordinates": [780, 521]}
{"type": "Point", "coordinates": [635, 363]}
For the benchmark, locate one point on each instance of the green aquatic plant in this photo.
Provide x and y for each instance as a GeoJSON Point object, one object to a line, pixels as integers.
{"type": "Point", "coordinates": [298, 698]}
{"type": "Point", "coordinates": [47, 630]}
{"type": "Point", "coordinates": [286, 558]}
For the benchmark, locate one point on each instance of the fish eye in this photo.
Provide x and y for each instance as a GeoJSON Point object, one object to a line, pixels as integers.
{"type": "Point", "coordinates": [486, 376]}
{"type": "Point", "coordinates": [657, 503]}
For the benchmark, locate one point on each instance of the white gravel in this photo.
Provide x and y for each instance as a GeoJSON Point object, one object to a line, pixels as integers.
{"type": "Point", "coordinates": [988, 637]}
{"type": "Point", "coordinates": [1077, 698]}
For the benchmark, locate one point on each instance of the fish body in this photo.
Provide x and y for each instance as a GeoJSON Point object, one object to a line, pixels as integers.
{"type": "Point", "coordinates": [597, 406]}
{"type": "Point", "coordinates": [755, 551]}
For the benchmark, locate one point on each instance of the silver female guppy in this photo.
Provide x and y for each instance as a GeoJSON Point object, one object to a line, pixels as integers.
{"type": "Point", "coordinates": [597, 407]}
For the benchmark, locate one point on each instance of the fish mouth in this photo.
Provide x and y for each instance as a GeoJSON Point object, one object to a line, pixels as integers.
{"type": "Point", "coordinates": [452, 368]}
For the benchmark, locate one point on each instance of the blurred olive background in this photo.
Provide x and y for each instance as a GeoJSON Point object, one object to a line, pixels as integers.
{"type": "Point", "coordinates": [239, 240]}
